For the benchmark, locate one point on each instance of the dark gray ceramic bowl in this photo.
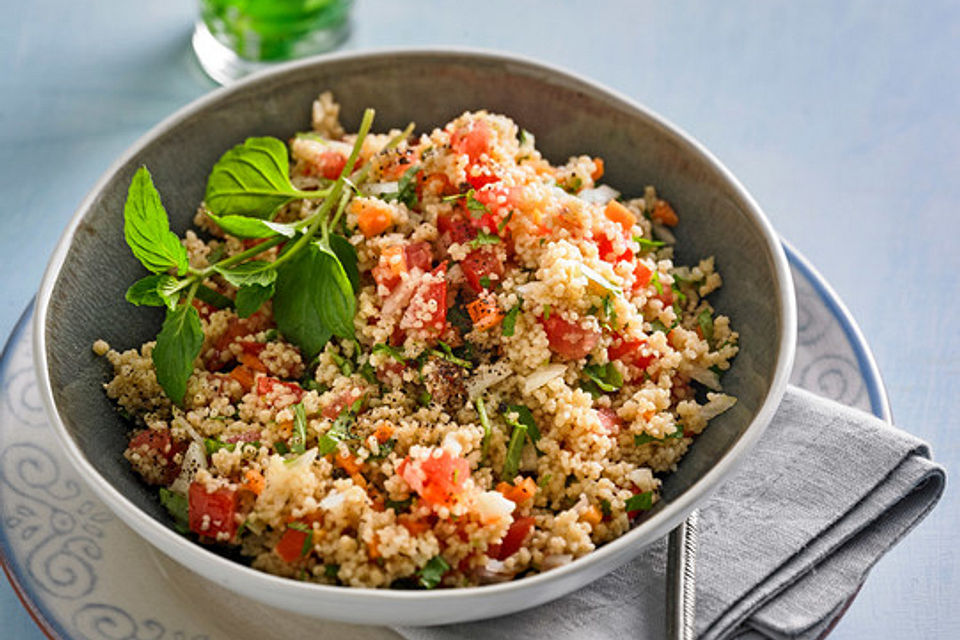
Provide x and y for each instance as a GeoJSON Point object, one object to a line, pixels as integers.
{"type": "Point", "coordinates": [82, 295]}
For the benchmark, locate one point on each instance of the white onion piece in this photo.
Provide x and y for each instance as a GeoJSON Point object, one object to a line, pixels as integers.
{"type": "Point", "coordinates": [194, 459]}
{"type": "Point", "coordinates": [401, 296]}
{"type": "Point", "coordinates": [379, 188]}
{"type": "Point", "coordinates": [542, 376]}
{"type": "Point", "coordinates": [492, 573]}
{"type": "Point", "coordinates": [485, 377]}
{"type": "Point", "coordinates": [555, 560]}
{"type": "Point", "coordinates": [663, 234]}
{"type": "Point", "coordinates": [704, 376]}
{"type": "Point", "coordinates": [717, 403]}
{"type": "Point", "coordinates": [601, 194]}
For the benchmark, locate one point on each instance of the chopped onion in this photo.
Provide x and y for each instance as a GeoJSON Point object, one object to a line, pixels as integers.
{"type": "Point", "coordinates": [379, 188]}
{"type": "Point", "coordinates": [194, 459]}
{"type": "Point", "coordinates": [400, 297]}
{"type": "Point", "coordinates": [663, 234]}
{"type": "Point", "coordinates": [601, 194]}
{"type": "Point", "coordinates": [704, 376]}
{"type": "Point", "coordinates": [542, 376]}
{"type": "Point", "coordinates": [492, 573]}
{"type": "Point", "coordinates": [555, 560]}
{"type": "Point", "coordinates": [485, 376]}
{"type": "Point", "coordinates": [717, 403]}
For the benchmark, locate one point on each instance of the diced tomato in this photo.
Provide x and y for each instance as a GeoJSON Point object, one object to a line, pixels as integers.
{"type": "Point", "coordinates": [329, 164]}
{"type": "Point", "coordinates": [290, 546]}
{"type": "Point", "coordinates": [606, 251]}
{"type": "Point", "coordinates": [629, 352]}
{"type": "Point", "coordinates": [609, 420]}
{"type": "Point", "coordinates": [339, 402]}
{"type": "Point", "coordinates": [480, 176]}
{"type": "Point", "coordinates": [642, 275]}
{"type": "Point", "coordinates": [480, 264]}
{"type": "Point", "coordinates": [419, 255]}
{"type": "Point", "coordinates": [457, 227]}
{"type": "Point", "coordinates": [499, 202]}
{"type": "Point", "coordinates": [266, 385]}
{"type": "Point", "coordinates": [426, 315]}
{"type": "Point", "coordinates": [473, 139]}
{"type": "Point", "coordinates": [161, 445]}
{"type": "Point", "coordinates": [398, 260]}
{"type": "Point", "coordinates": [513, 539]}
{"type": "Point", "coordinates": [666, 297]}
{"type": "Point", "coordinates": [212, 514]}
{"type": "Point", "coordinates": [568, 340]}
{"type": "Point", "coordinates": [438, 479]}
{"type": "Point", "coordinates": [253, 348]}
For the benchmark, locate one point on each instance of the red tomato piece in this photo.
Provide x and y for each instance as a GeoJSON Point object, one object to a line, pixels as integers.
{"type": "Point", "coordinates": [513, 539]}
{"type": "Point", "coordinates": [330, 164]}
{"type": "Point", "coordinates": [211, 514]}
{"type": "Point", "coordinates": [426, 315]}
{"type": "Point", "coordinates": [161, 445]}
{"type": "Point", "coordinates": [629, 352]}
{"type": "Point", "coordinates": [479, 264]}
{"type": "Point", "coordinates": [438, 479]}
{"type": "Point", "coordinates": [568, 340]}
{"type": "Point", "coordinates": [642, 275]}
{"type": "Point", "coordinates": [473, 139]}
{"type": "Point", "coordinates": [341, 401]}
{"type": "Point", "coordinates": [290, 545]}
{"type": "Point", "coordinates": [609, 420]}
{"type": "Point", "coordinates": [253, 348]}
{"type": "Point", "coordinates": [266, 385]}
{"type": "Point", "coordinates": [606, 252]}
{"type": "Point", "coordinates": [419, 255]}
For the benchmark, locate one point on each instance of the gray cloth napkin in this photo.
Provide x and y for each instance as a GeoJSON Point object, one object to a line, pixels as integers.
{"type": "Point", "coordinates": [783, 544]}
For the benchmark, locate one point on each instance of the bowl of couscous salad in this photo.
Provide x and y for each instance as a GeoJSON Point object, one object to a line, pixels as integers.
{"type": "Point", "coordinates": [412, 337]}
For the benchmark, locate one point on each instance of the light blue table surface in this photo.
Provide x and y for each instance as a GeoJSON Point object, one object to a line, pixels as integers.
{"type": "Point", "coordinates": [843, 119]}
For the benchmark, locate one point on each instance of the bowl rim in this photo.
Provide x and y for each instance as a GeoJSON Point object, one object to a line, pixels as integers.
{"type": "Point", "coordinates": [196, 556]}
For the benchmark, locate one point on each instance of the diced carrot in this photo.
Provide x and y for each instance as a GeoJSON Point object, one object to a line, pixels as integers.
{"type": "Point", "coordinates": [592, 515]}
{"type": "Point", "coordinates": [412, 524]}
{"type": "Point", "coordinates": [254, 481]}
{"type": "Point", "coordinates": [286, 428]}
{"type": "Point", "coordinates": [436, 183]}
{"type": "Point", "coordinates": [373, 548]}
{"type": "Point", "coordinates": [253, 362]}
{"type": "Point", "coordinates": [245, 376]}
{"type": "Point", "coordinates": [484, 313]}
{"type": "Point", "coordinates": [347, 462]}
{"type": "Point", "coordinates": [664, 213]}
{"type": "Point", "coordinates": [519, 493]}
{"type": "Point", "coordinates": [598, 169]}
{"type": "Point", "coordinates": [616, 212]}
{"type": "Point", "coordinates": [383, 432]}
{"type": "Point", "coordinates": [373, 216]}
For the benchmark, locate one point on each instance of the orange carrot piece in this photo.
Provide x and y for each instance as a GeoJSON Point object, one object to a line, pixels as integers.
{"type": "Point", "coordinates": [618, 213]}
{"type": "Point", "coordinates": [664, 213]}
{"type": "Point", "coordinates": [244, 375]}
{"type": "Point", "coordinates": [373, 217]}
{"type": "Point", "coordinates": [254, 481]}
{"type": "Point", "coordinates": [592, 515]}
{"type": "Point", "coordinates": [413, 525]}
{"type": "Point", "coordinates": [484, 313]}
{"type": "Point", "coordinates": [383, 432]}
{"type": "Point", "coordinates": [253, 362]}
{"type": "Point", "coordinates": [598, 170]}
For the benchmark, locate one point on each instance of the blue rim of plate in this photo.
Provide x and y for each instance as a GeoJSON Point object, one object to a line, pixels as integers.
{"type": "Point", "coordinates": [876, 390]}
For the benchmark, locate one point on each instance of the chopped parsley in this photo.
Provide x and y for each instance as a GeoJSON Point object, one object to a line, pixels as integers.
{"type": "Point", "coordinates": [393, 352]}
{"type": "Point", "coordinates": [406, 188]}
{"type": "Point", "coordinates": [601, 378]}
{"type": "Point", "coordinates": [178, 508]}
{"type": "Point", "coordinates": [656, 325]}
{"type": "Point", "coordinates": [647, 244]}
{"type": "Point", "coordinates": [508, 326]}
{"type": "Point", "coordinates": [605, 508]}
{"type": "Point", "coordinates": [484, 238]}
{"type": "Point", "coordinates": [485, 423]}
{"type": "Point", "coordinates": [640, 502]}
{"type": "Point", "coordinates": [705, 321]}
{"type": "Point", "coordinates": [340, 429]}
{"type": "Point", "coordinates": [655, 281]}
{"type": "Point", "coordinates": [331, 570]}
{"type": "Point", "coordinates": [307, 541]}
{"type": "Point", "coordinates": [346, 367]}
{"type": "Point", "coordinates": [514, 451]}
{"type": "Point", "coordinates": [503, 223]}
{"type": "Point", "coordinates": [525, 418]}
{"type": "Point", "coordinates": [448, 355]}
{"type": "Point", "coordinates": [546, 312]}
{"type": "Point", "coordinates": [281, 447]}
{"type": "Point", "coordinates": [432, 573]}
{"type": "Point", "coordinates": [644, 438]}
{"type": "Point", "coordinates": [425, 398]}
{"type": "Point", "coordinates": [485, 282]}
{"type": "Point", "coordinates": [367, 373]}
{"type": "Point", "coordinates": [298, 443]}
{"type": "Point", "coordinates": [212, 445]}
{"type": "Point", "coordinates": [398, 506]}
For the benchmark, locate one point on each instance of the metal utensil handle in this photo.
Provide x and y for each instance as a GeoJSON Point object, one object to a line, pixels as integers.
{"type": "Point", "coordinates": [681, 580]}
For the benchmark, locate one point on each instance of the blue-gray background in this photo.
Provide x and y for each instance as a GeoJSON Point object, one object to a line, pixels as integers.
{"type": "Point", "coordinates": [843, 119]}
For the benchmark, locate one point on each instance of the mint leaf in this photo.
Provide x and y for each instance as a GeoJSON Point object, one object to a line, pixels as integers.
{"type": "Point", "coordinates": [252, 179]}
{"type": "Point", "coordinates": [347, 255]}
{"type": "Point", "coordinates": [178, 344]}
{"type": "Point", "coordinates": [147, 228]}
{"type": "Point", "coordinates": [484, 238]}
{"type": "Point", "coordinates": [639, 502]}
{"type": "Point", "coordinates": [253, 272]}
{"type": "Point", "coordinates": [251, 297]}
{"type": "Point", "coordinates": [146, 291]}
{"type": "Point", "coordinates": [212, 297]}
{"type": "Point", "coordinates": [178, 508]}
{"type": "Point", "coordinates": [314, 299]}
{"type": "Point", "coordinates": [247, 227]}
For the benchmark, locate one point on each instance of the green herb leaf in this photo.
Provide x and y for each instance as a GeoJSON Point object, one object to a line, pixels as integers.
{"type": "Point", "coordinates": [340, 429]}
{"type": "Point", "coordinates": [646, 244]}
{"type": "Point", "coordinates": [448, 355]}
{"type": "Point", "coordinates": [281, 447]}
{"type": "Point", "coordinates": [146, 291]}
{"type": "Point", "coordinates": [514, 451]}
{"type": "Point", "coordinates": [252, 179]}
{"type": "Point", "coordinates": [484, 238]}
{"type": "Point", "coordinates": [393, 352]}
{"type": "Point", "coordinates": [432, 573]}
{"type": "Point", "coordinates": [406, 188]}
{"type": "Point", "coordinates": [656, 325]}
{"type": "Point", "coordinates": [298, 443]}
{"type": "Point", "coordinates": [313, 299]}
{"type": "Point", "coordinates": [503, 223]}
{"type": "Point", "coordinates": [307, 541]}
{"type": "Point", "coordinates": [214, 298]}
{"type": "Point", "coordinates": [644, 438]}
{"type": "Point", "coordinates": [178, 508]}
{"type": "Point", "coordinates": [251, 297]}
{"type": "Point", "coordinates": [640, 502]}
{"type": "Point", "coordinates": [485, 423]}
{"type": "Point", "coordinates": [255, 272]}
{"type": "Point", "coordinates": [367, 373]}
{"type": "Point", "coordinates": [705, 320]}
{"type": "Point", "coordinates": [212, 445]}
{"type": "Point", "coordinates": [331, 570]}
{"type": "Point", "coordinates": [398, 505]}
{"type": "Point", "coordinates": [147, 228]}
{"type": "Point", "coordinates": [524, 137]}
{"type": "Point", "coordinates": [251, 228]}
{"type": "Point", "coordinates": [508, 326]}
{"type": "Point", "coordinates": [524, 417]}
{"type": "Point", "coordinates": [605, 508]}
{"type": "Point", "coordinates": [573, 184]}
{"type": "Point", "coordinates": [605, 376]}
{"type": "Point", "coordinates": [347, 255]}
{"type": "Point", "coordinates": [178, 344]}
{"type": "Point", "coordinates": [655, 281]}
{"type": "Point", "coordinates": [546, 312]}
{"type": "Point", "coordinates": [344, 364]}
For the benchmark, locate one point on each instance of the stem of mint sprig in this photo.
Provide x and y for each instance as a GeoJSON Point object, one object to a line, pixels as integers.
{"type": "Point", "coordinates": [312, 281]}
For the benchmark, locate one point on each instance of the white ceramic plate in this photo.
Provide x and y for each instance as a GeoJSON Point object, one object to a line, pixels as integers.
{"type": "Point", "coordinates": [85, 576]}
